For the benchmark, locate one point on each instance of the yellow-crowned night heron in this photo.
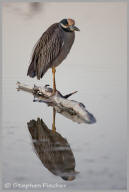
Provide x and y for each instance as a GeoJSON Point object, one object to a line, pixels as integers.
{"type": "Point", "coordinates": [52, 48]}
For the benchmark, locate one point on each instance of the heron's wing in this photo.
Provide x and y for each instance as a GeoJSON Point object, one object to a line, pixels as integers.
{"type": "Point", "coordinates": [47, 49]}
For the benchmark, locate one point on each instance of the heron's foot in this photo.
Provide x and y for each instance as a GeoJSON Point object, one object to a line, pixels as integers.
{"type": "Point", "coordinates": [47, 85]}
{"type": "Point", "coordinates": [53, 92]}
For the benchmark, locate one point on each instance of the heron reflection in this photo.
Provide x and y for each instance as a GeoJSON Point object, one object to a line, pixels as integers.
{"type": "Point", "coordinates": [52, 149]}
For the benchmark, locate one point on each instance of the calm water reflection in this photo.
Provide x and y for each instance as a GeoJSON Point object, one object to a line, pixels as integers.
{"type": "Point", "coordinates": [52, 149]}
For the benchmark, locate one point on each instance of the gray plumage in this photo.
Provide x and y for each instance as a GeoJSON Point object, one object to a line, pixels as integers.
{"type": "Point", "coordinates": [51, 49]}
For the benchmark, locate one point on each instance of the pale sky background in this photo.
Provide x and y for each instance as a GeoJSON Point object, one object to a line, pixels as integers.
{"type": "Point", "coordinates": [96, 67]}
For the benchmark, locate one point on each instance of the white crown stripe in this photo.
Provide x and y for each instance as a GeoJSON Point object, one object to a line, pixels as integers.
{"type": "Point", "coordinates": [64, 26]}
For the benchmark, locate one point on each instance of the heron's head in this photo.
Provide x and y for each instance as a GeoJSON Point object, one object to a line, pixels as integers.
{"type": "Point", "coordinates": [68, 25]}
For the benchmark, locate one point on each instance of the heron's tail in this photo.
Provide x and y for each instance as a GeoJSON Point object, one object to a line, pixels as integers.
{"type": "Point", "coordinates": [31, 71]}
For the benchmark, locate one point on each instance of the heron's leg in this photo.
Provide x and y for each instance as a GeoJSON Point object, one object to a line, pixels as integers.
{"type": "Point", "coordinates": [54, 82]}
{"type": "Point", "coordinates": [54, 117]}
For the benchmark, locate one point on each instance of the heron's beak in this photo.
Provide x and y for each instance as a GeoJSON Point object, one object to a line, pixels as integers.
{"type": "Point", "coordinates": [74, 28]}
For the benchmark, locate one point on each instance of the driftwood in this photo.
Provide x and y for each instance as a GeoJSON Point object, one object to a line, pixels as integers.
{"type": "Point", "coordinates": [71, 109]}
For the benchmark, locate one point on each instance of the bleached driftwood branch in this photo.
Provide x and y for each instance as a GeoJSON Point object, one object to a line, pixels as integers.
{"type": "Point", "coordinates": [71, 109]}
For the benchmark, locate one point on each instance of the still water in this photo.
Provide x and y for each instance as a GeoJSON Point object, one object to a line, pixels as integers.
{"type": "Point", "coordinates": [76, 156]}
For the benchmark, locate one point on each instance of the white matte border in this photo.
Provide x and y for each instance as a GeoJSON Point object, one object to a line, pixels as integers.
{"type": "Point", "coordinates": [126, 1]}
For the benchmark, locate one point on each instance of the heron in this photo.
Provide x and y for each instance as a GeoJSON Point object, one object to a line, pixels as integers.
{"type": "Point", "coordinates": [52, 48]}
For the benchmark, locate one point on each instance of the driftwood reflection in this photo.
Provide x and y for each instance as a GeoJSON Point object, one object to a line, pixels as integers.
{"type": "Point", "coordinates": [52, 149]}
